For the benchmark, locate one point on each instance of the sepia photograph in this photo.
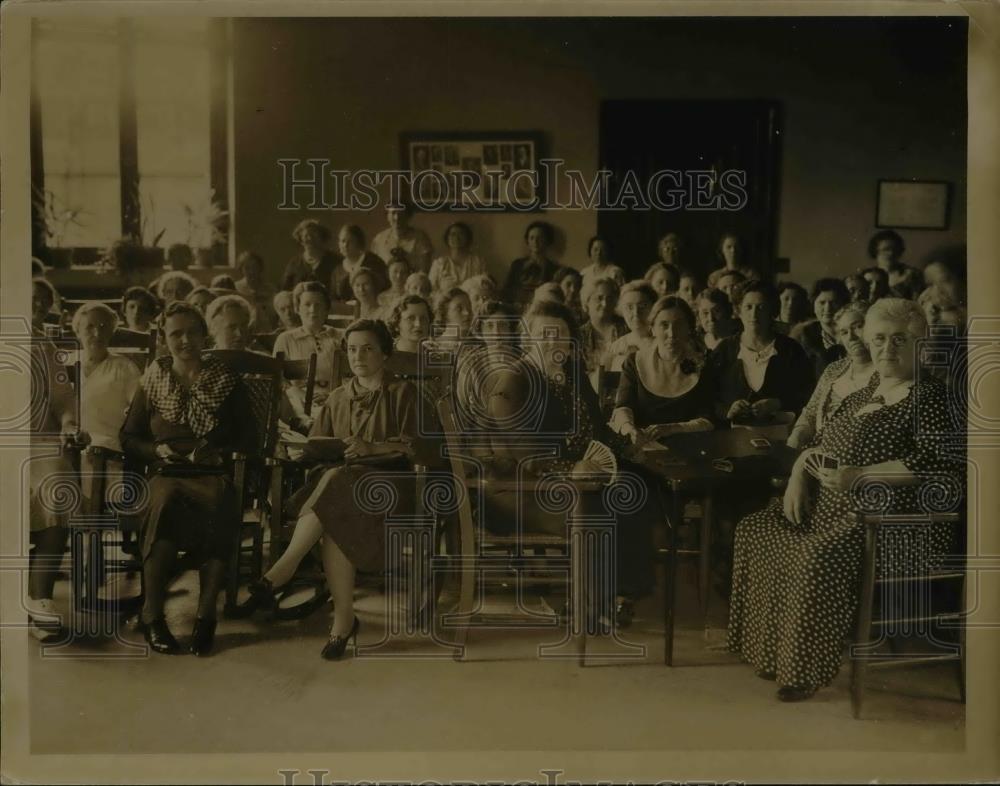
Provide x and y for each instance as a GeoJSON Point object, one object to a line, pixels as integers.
{"type": "Point", "coordinates": [547, 398]}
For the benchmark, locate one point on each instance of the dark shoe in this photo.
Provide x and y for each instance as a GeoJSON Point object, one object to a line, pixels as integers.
{"type": "Point", "coordinates": [262, 596]}
{"type": "Point", "coordinates": [202, 636]}
{"type": "Point", "coordinates": [159, 638]}
{"type": "Point", "coordinates": [335, 647]}
{"type": "Point", "coordinates": [793, 693]}
{"type": "Point", "coordinates": [765, 675]}
{"type": "Point", "coordinates": [624, 612]}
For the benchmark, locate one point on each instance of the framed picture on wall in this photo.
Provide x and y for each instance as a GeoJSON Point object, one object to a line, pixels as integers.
{"type": "Point", "coordinates": [913, 204]}
{"type": "Point", "coordinates": [461, 170]}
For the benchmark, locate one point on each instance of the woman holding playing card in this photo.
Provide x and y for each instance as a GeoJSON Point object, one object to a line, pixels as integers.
{"type": "Point", "coordinates": [798, 562]}
{"type": "Point", "coordinates": [370, 415]}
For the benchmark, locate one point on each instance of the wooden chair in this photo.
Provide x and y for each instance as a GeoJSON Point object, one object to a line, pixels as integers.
{"type": "Point", "coordinates": [884, 585]}
{"type": "Point", "coordinates": [262, 376]}
{"type": "Point", "coordinates": [137, 346]}
{"type": "Point", "coordinates": [523, 559]}
{"type": "Point", "coordinates": [607, 389]}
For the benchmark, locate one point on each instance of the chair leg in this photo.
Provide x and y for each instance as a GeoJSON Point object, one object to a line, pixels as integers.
{"type": "Point", "coordinates": [670, 579]}
{"type": "Point", "coordinates": [859, 663]}
{"type": "Point", "coordinates": [704, 556]}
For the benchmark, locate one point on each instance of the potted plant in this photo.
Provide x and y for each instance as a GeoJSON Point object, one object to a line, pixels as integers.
{"type": "Point", "coordinates": [52, 220]}
{"type": "Point", "coordinates": [207, 228]}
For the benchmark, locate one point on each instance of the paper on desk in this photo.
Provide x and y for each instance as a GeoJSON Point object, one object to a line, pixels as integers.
{"type": "Point", "coordinates": [655, 446]}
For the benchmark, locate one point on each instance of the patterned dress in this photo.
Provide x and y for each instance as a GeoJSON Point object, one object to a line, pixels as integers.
{"type": "Point", "coordinates": [795, 587]}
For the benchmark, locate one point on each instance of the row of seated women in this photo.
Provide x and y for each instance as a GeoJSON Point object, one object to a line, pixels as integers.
{"type": "Point", "coordinates": [796, 562]}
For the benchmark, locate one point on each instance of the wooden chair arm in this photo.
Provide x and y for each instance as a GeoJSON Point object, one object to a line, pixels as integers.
{"type": "Point", "coordinates": [907, 519]}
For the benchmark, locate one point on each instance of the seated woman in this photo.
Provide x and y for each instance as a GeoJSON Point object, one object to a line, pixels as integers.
{"type": "Point", "coordinates": [354, 258]}
{"type": "Point", "coordinates": [139, 307]}
{"type": "Point", "coordinates": [569, 414]}
{"type": "Point", "coordinates": [758, 373]}
{"type": "Point", "coordinates": [689, 288]}
{"type": "Point", "coordinates": [794, 306]}
{"type": "Point", "coordinates": [886, 248]}
{"type": "Point", "coordinates": [571, 282]}
{"type": "Point", "coordinates": [480, 289]}
{"type": "Point", "coordinates": [312, 302]}
{"type": "Point", "coordinates": [315, 261]}
{"type": "Point", "coordinates": [284, 307]}
{"type": "Point", "coordinates": [228, 320]}
{"type": "Point", "coordinates": [662, 390]}
{"type": "Point", "coordinates": [175, 285]}
{"type": "Point", "coordinates": [730, 253]}
{"type": "Point", "coordinates": [187, 417]}
{"type": "Point", "coordinates": [398, 270]}
{"type": "Point", "coordinates": [401, 234]}
{"type": "Point", "coordinates": [878, 283]}
{"type": "Point", "coordinates": [364, 285]}
{"type": "Point", "coordinates": [257, 290]}
{"type": "Point", "coordinates": [857, 288]}
{"type": "Point", "coordinates": [603, 326]}
{"type": "Point", "coordinates": [669, 249]}
{"type": "Point", "coordinates": [715, 317]}
{"type": "Point", "coordinates": [634, 302]}
{"type": "Point", "coordinates": [839, 379]}
{"type": "Point", "coordinates": [419, 284]}
{"type": "Point", "coordinates": [410, 326]}
{"type": "Point", "coordinates": [819, 337]}
{"type": "Point", "coordinates": [599, 254]}
{"type": "Point", "coordinates": [452, 319]}
{"type": "Point", "coordinates": [43, 297]}
{"type": "Point", "coordinates": [200, 298]}
{"type": "Point", "coordinates": [729, 280]}
{"type": "Point", "coordinates": [54, 426]}
{"type": "Point", "coordinates": [663, 278]}
{"type": "Point", "coordinates": [375, 416]}
{"type": "Point", "coordinates": [798, 561]}
{"type": "Point", "coordinates": [527, 273]}
{"type": "Point", "coordinates": [458, 263]}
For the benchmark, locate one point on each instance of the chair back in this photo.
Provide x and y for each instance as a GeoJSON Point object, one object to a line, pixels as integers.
{"type": "Point", "coordinates": [607, 389]}
{"type": "Point", "coordinates": [304, 371]}
{"type": "Point", "coordinates": [138, 346]}
{"type": "Point", "coordinates": [261, 376]}
{"type": "Point", "coordinates": [343, 314]}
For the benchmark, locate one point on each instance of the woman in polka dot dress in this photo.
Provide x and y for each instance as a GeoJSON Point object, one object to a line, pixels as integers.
{"type": "Point", "coordinates": [797, 563]}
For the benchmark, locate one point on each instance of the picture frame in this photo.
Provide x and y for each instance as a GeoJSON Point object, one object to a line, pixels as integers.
{"type": "Point", "coordinates": [913, 204]}
{"type": "Point", "coordinates": [483, 170]}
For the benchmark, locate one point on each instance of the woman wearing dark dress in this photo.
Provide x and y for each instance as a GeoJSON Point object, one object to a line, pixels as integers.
{"type": "Point", "coordinates": [375, 416]}
{"type": "Point", "coordinates": [758, 373]}
{"type": "Point", "coordinates": [662, 390]}
{"type": "Point", "coordinates": [818, 337]}
{"type": "Point", "coordinates": [315, 262]}
{"type": "Point", "coordinates": [354, 256]}
{"type": "Point", "coordinates": [528, 273]}
{"type": "Point", "coordinates": [798, 562]}
{"type": "Point", "coordinates": [189, 415]}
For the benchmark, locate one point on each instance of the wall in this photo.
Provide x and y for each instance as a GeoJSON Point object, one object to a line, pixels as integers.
{"type": "Point", "coordinates": [862, 100]}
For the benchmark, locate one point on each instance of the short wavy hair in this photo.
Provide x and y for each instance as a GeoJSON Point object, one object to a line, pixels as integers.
{"type": "Point", "coordinates": [588, 290]}
{"type": "Point", "coordinates": [900, 311]}
{"type": "Point", "coordinates": [144, 295]}
{"type": "Point", "coordinates": [763, 288]}
{"type": "Point", "coordinates": [244, 258]}
{"type": "Point", "coordinates": [834, 285]}
{"type": "Point", "coordinates": [220, 304]}
{"type": "Point", "coordinates": [463, 227]}
{"type": "Point", "coordinates": [642, 287]}
{"type": "Point", "coordinates": [672, 271]}
{"type": "Point", "coordinates": [475, 285]}
{"type": "Point", "coordinates": [356, 232]}
{"type": "Point", "coordinates": [374, 326]}
{"type": "Point", "coordinates": [553, 310]}
{"type": "Point", "coordinates": [444, 301]}
{"type": "Point", "coordinates": [547, 230]}
{"type": "Point", "coordinates": [190, 284]}
{"type": "Point", "coordinates": [674, 303]}
{"type": "Point", "coordinates": [856, 307]}
{"type": "Point", "coordinates": [94, 305]}
{"type": "Point", "coordinates": [885, 234]}
{"type": "Point", "coordinates": [401, 305]}
{"type": "Point", "coordinates": [310, 286]}
{"type": "Point", "coordinates": [311, 223]}
{"type": "Point", "coordinates": [364, 271]}
{"type": "Point", "coordinates": [716, 297]}
{"type": "Point", "coordinates": [182, 308]}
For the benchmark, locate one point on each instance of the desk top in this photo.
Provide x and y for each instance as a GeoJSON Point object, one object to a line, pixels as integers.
{"type": "Point", "coordinates": [687, 458]}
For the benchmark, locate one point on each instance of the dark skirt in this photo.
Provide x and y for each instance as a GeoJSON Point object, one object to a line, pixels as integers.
{"type": "Point", "coordinates": [197, 514]}
{"type": "Point", "coordinates": [352, 504]}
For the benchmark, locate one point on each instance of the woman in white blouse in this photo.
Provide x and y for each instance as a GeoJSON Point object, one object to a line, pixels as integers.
{"type": "Point", "coordinates": [108, 381]}
{"type": "Point", "coordinates": [312, 302]}
{"type": "Point", "coordinates": [634, 303]}
{"type": "Point", "coordinates": [839, 379]}
{"type": "Point", "coordinates": [453, 268]}
{"type": "Point", "coordinates": [599, 253]}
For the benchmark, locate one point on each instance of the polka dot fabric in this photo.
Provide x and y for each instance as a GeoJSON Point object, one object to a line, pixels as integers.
{"type": "Point", "coordinates": [795, 587]}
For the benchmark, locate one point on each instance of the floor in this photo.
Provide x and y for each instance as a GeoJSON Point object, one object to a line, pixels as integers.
{"type": "Point", "coordinates": [265, 689]}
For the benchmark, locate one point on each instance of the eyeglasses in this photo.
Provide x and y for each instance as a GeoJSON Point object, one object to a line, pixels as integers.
{"type": "Point", "coordinates": [898, 340]}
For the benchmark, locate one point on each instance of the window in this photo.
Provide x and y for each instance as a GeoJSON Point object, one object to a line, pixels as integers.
{"type": "Point", "coordinates": [128, 144]}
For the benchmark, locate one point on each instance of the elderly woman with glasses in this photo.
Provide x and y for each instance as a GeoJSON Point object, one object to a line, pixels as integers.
{"type": "Point", "coordinates": [798, 562]}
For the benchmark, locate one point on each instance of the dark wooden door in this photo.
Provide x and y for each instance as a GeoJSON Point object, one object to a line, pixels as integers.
{"type": "Point", "coordinates": [646, 137]}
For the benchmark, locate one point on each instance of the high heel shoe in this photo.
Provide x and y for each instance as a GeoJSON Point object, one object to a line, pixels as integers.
{"type": "Point", "coordinates": [335, 647]}
{"type": "Point", "coordinates": [263, 595]}
{"type": "Point", "coordinates": [202, 637]}
{"type": "Point", "coordinates": [159, 638]}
